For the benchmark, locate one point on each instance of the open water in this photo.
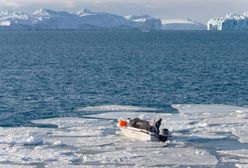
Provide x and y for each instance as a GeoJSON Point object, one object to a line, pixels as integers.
{"type": "Point", "coordinates": [46, 74]}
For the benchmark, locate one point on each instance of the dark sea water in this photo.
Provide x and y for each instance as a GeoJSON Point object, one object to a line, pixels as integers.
{"type": "Point", "coordinates": [47, 74]}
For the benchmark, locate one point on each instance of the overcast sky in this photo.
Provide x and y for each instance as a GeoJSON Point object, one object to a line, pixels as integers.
{"type": "Point", "coordinates": [198, 10]}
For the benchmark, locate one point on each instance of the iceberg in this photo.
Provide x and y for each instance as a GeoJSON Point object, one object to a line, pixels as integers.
{"type": "Point", "coordinates": [182, 24]}
{"type": "Point", "coordinates": [229, 22]}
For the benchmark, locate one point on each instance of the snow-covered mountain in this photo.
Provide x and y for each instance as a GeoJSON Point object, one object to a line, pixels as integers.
{"type": "Point", "coordinates": [181, 24]}
{"type": "Point", "coordinates": [43, 19]}
{"type": "Point", "coordinates": [229, 22]}
{"type": "Point", "coordinates": [145, 21]}
{"type": "Point", "coordinates": [15, 20]}
{"type": "Point", "coordinates": [103, 20]}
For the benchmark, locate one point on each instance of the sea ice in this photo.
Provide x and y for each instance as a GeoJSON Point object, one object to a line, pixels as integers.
{"type": "Point", "coordinates": [96, 141]}
{"type": "Point", "coordinates": [115, 108]}
{"type": "Point", "coordinates": [238, 165]}
{"type": "Point", "coordinates": [240, 153]}
{"type": "Point", "coordinates": [241, 156]}
{"type": "Point", "coordinates": [217, 119]}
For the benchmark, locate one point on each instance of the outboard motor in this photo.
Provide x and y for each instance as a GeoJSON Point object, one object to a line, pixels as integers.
{"type": "Point", "coordinates": [163, 136]}
{"type": "Point", "coordinates": [164, 132]}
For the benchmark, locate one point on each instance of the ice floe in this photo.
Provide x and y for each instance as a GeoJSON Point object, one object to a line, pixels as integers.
{"type": "Point", "coordinates": [202, 135]}
{"type": "Point", "coordinates": [241, 165]}
{"type": "Point", "coordinates": [239, 153]}
{"type": "Point", "coordinates": [239, 157]}
{"type": "Point", "coordinates": [116, 108]}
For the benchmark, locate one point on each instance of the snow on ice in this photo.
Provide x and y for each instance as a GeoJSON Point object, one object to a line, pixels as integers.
{"type": "Point", "coordinates": [229, 22]}
{"type": "Point", "coordinates": [202, 135]}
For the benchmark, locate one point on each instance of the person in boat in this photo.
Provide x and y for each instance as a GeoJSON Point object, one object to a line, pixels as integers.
{"type": "Point", "coordinates": [157, 125]}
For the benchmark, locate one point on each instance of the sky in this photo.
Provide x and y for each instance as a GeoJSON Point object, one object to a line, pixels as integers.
{"type": "Point", "coordinates": [198, 10]}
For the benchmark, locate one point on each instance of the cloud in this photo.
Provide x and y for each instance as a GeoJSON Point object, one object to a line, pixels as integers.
{"type": "Point", "coordinates": [74, 2]}
{"type": "Point", "coordinates": [9, 4]}
{"type": "Point", "coordinates": [143, 3]}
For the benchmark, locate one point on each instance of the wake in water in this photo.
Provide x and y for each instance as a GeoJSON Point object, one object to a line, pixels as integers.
{"type": "Point", "coordinates": [203, 135]}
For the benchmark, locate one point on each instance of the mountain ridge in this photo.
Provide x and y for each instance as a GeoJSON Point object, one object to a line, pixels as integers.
{"type": "Point", "coordinates": [46, 19]}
